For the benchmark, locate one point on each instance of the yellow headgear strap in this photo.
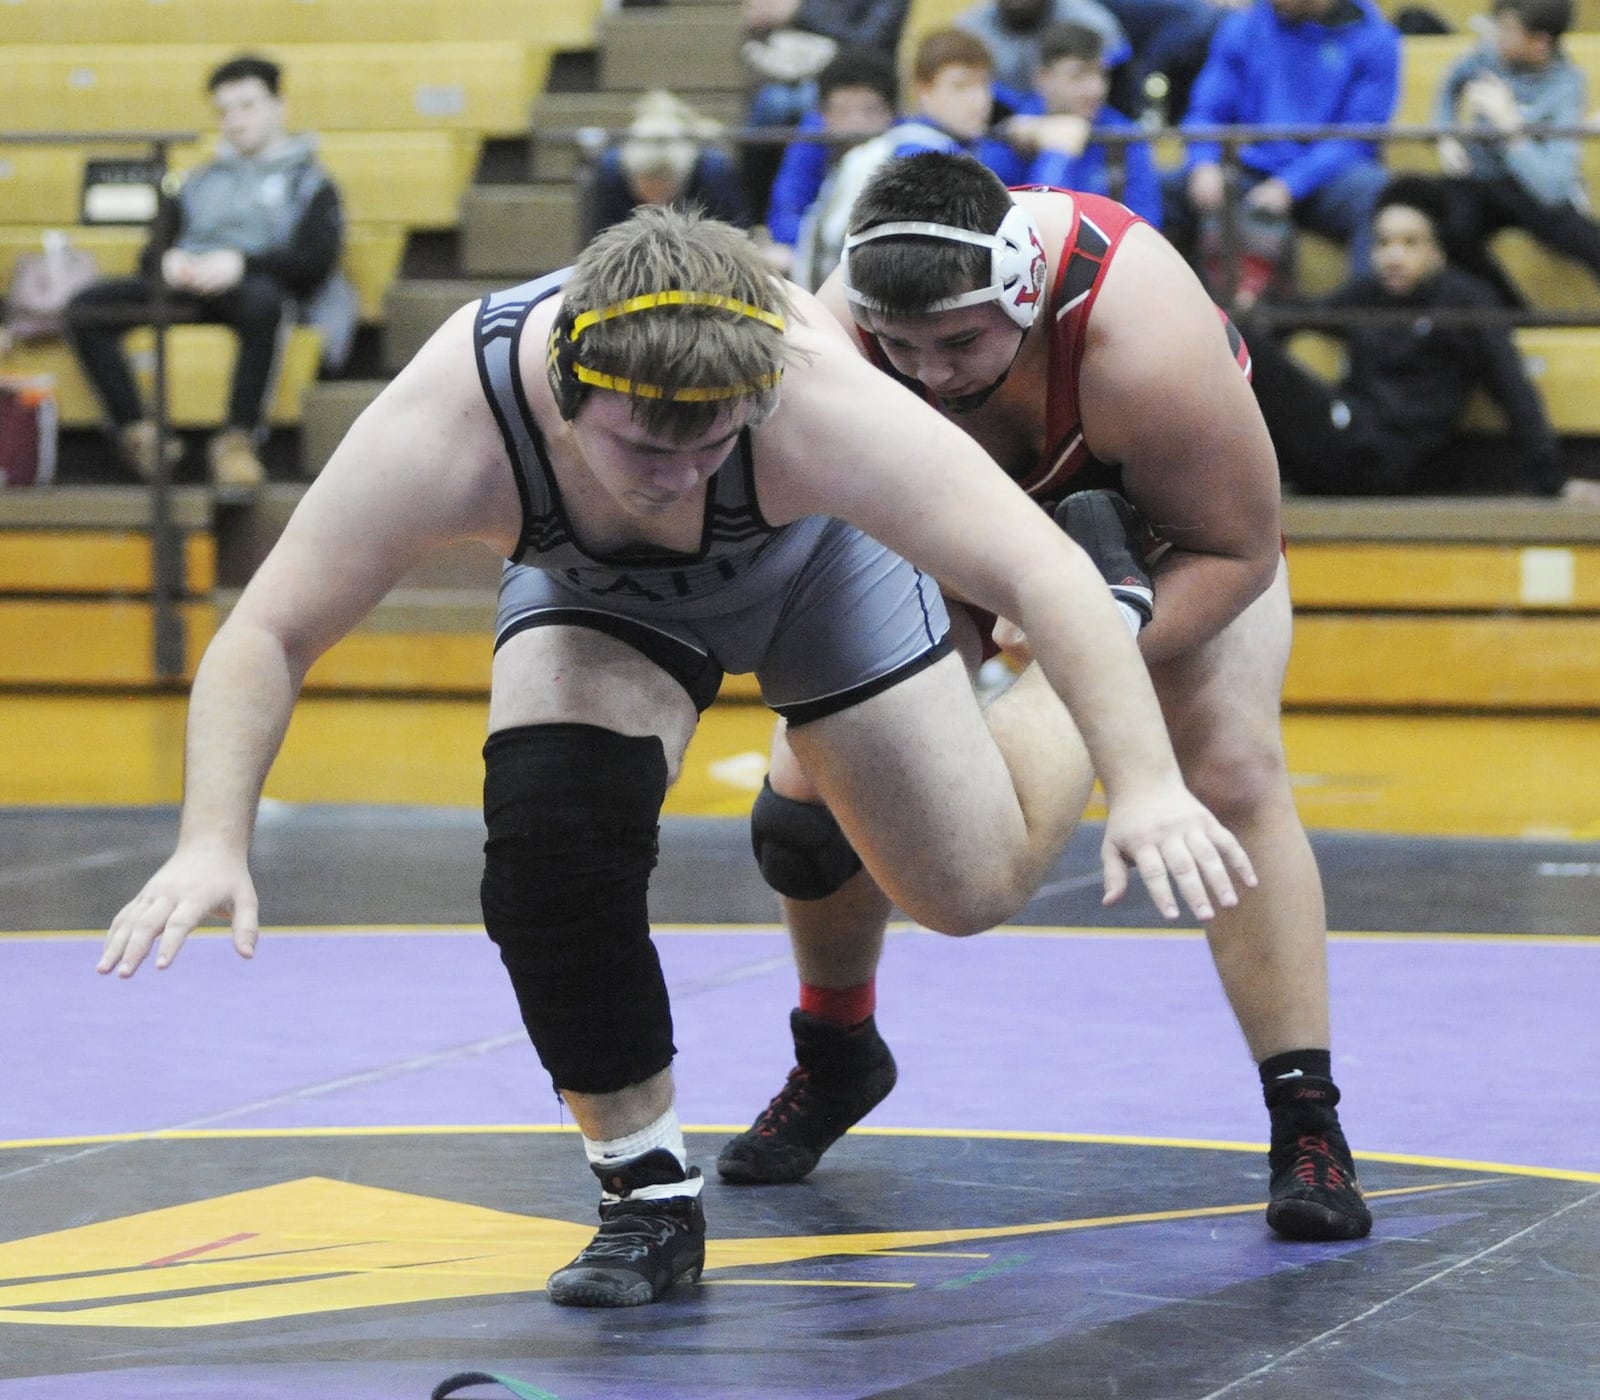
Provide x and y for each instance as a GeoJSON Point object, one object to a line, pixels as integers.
{"type": "Point", "coordinates": [616, 382]}
{"type": "Point", "coordinates": [648, 302]}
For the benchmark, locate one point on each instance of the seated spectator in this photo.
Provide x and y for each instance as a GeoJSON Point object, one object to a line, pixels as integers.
{"type": "Point", "coordinates": [1386, 428]}
{"type": "Point", "coordinates": [665, 158]}
{"type": "Point", "coordinates": [251, 232]}
{"type": "Point", "coordinates": [857, 97]}
{"type": "Point", "coordinates": [1071, 84]}
{"type": "Point", "coordinates": [1292, 62]}
{"type": "Point", "coordinates": [1520, 78]}
{"type": "Point", "coordinates": [1012, 31]}
{"type": "Point", "coordinates": [952, 98]}
{"type": "Point", "coordinates": [787, 44]}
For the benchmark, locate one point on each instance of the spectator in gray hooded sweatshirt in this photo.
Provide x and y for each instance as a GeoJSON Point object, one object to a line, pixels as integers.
{"type": "Point", "coordinates": [1518, 79]}
{"type": "Point", "coordinates": [252, 233]}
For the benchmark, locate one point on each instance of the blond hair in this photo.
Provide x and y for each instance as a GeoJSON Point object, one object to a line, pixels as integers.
{"type": "Point", "coordinates": [664, 137]}
{"type": "Point", "coordinates": [682, 364]}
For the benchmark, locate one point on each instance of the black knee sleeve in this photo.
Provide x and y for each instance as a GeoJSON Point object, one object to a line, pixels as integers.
{"type": "Point", "coordinates": [572, 815]}
{"type": "Point", "coordinates": [799, 847]}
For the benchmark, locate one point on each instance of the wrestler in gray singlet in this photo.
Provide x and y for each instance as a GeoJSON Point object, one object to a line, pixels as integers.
{"type": "Point", "coordinates": [824, 615]}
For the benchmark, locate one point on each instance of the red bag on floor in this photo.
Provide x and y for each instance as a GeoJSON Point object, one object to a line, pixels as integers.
{"type": "Point", "coordinates": [27, 429]}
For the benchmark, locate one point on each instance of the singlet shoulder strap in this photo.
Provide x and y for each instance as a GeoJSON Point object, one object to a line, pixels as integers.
{"type": "Point", "coordinates": [1098, 227]}
{"type": "Point", "coordinates": [497, 338]}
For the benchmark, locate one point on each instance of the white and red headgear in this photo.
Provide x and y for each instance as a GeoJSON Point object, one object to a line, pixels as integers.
{"type": "Point", "coordinates": [1017, 264]}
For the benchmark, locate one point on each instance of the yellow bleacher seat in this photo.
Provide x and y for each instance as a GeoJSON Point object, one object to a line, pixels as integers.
{"type": "Point", "coordinates": [560, 24]}
{"type": "Point", "coordinates": [199, 366]}
{"type": "Point", "coordinates": [372, 254]}
{"type": "Point", "coordinates": [42, 184]}
{"type": "Point", "coordinates": [1560, 360]}
{"type": "Point", "coordinates": [1549, 281]}
{"type": "Point", "coordinates": [484, 87]}
{"type": "Point", "coordinates": [413, 178]}
{"type": "Point", "coordinates": [923, 17]}
{"type": "Point", "coordinates": [116, 250]}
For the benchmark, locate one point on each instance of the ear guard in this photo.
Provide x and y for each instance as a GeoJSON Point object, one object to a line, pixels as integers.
{"type": "Point", "coordinates": [1017, 263]}
{"type": "Point", "coordinates": [571, 379]}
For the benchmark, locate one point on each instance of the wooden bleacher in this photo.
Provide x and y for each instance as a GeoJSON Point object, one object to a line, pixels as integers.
{"type": "Point", "coordinates": [1458, 604]}
{"type": "Point", "coordinates": [77, 585]}
{"type": "Point", "coordinates": [484, 87]}
{"type": "Point", "coordinates": [1445, 604]}
{"type": "Point", "coordinates": [558, 24]}
{"type": "Point", "coordinates": [1432, 604]}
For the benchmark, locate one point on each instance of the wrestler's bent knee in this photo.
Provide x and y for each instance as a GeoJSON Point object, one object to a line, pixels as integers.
{"type": "Point", "coordinates": [798, 845]}
{"type": "Point", "coordinates": [572, 813]}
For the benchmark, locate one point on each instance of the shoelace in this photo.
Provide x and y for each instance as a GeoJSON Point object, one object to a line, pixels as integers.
{"type": "Point", "coordinates": [1317, 1166]}
{"type": "Point", "coordinates": [788, 1100]}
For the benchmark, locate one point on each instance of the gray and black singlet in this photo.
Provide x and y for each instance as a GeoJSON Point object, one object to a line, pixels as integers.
{"type": "Point", "coordinates": [824, 615]}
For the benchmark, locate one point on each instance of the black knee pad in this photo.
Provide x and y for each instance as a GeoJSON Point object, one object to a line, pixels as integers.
{"type": "Point", "coordinates": [799, 847]}
{"type": "Point", "coordinates": [572, 814]}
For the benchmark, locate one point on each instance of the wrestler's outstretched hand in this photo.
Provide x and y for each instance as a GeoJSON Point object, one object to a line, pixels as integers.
{"type": "Point", "coordinates": [195, 883]}
{"type": "Point", "coordinates": [1170, 839]}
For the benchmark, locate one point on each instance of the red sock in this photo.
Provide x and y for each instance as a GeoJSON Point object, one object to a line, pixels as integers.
{"type": "Point", "coordinates": [845, 1006]}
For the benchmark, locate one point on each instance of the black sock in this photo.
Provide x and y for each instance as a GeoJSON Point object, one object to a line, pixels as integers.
{"type": "Point", "coordinates": [1294, 1063]}
{"type": "Point", "coordinates": [1299, 1090]}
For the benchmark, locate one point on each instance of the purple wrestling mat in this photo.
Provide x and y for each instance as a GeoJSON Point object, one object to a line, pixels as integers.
{"type": "Point", "coordinates": [337, 1172]}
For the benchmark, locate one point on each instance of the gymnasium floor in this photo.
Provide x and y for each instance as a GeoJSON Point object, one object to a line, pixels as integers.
{"type": "Point", "coordinates": [337, 1171]}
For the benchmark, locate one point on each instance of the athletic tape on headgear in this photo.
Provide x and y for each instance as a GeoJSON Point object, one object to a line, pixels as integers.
{"type": "Point", "coordinates": [570, 377]}
{"type": "Point", "coordinates": [1017, 264]}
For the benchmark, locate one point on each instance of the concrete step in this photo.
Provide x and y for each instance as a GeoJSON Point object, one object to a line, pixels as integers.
{"type": "Point", "coordinates": [519, 231]}
{"type": "Point", "coordinates": [326, 412]}
{"type": "Point", "coordinates": [683, 47]}
{"type": "Point", "coordinates": [415, 308]}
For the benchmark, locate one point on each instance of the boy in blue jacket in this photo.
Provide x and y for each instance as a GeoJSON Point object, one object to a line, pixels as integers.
{"type": "Point", "coordinates": [1069, 108]}
{"type": "Point", "coordinates": [1295, 62]}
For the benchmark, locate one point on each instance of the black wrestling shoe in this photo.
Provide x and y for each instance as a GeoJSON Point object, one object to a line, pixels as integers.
{"type": "Point", "coordinates": [1314, 1194]}
{"type": "Point", "coordinates": [1108, 530]}
{"type": "Point", "coordinates": [840, 1077]}
{"type": "Point", "coordinates": [643, 1246]}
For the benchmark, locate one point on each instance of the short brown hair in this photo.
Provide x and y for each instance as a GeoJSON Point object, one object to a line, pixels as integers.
{"type": "Point", "coordinates": [946, 48]}
{"type": "Point", "coordinates": [1078, 41]}
{"type": "Point", "coordinates": [679, 349]}
{"type": "Point", "coordinates": [1549, 17]}
{"type": "Point", "coordinates": [907, 275]}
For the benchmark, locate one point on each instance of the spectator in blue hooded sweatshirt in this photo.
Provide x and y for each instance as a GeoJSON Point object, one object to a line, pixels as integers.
{"type": "Point", "coordinates": [857, 96]}
{"type": "Point", "coordinates": [1071, 85]}
{"type": "Point", "coordinates": [1294, 62]}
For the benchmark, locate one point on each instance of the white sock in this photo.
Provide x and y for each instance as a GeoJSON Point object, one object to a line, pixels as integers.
{"type": "Point", "coordinates": [664, 1133]}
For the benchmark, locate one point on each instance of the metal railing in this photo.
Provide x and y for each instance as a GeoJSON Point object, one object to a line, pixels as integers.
{"type": "Point", "coordinates": [166, 541]}
{"type": "Point", "coordinates": [592, 141]}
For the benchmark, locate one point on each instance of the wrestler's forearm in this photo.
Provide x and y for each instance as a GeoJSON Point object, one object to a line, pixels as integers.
{"type": "Point", "coordinates": [1083, 646]}
{"type": "Point", "coordinates": [244, 693]}
{"type": "Point", "coordinates": [1197, 595]}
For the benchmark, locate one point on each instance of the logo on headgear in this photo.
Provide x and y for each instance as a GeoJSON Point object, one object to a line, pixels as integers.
{"type": "Point", "coordinates": [1031, 287]}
